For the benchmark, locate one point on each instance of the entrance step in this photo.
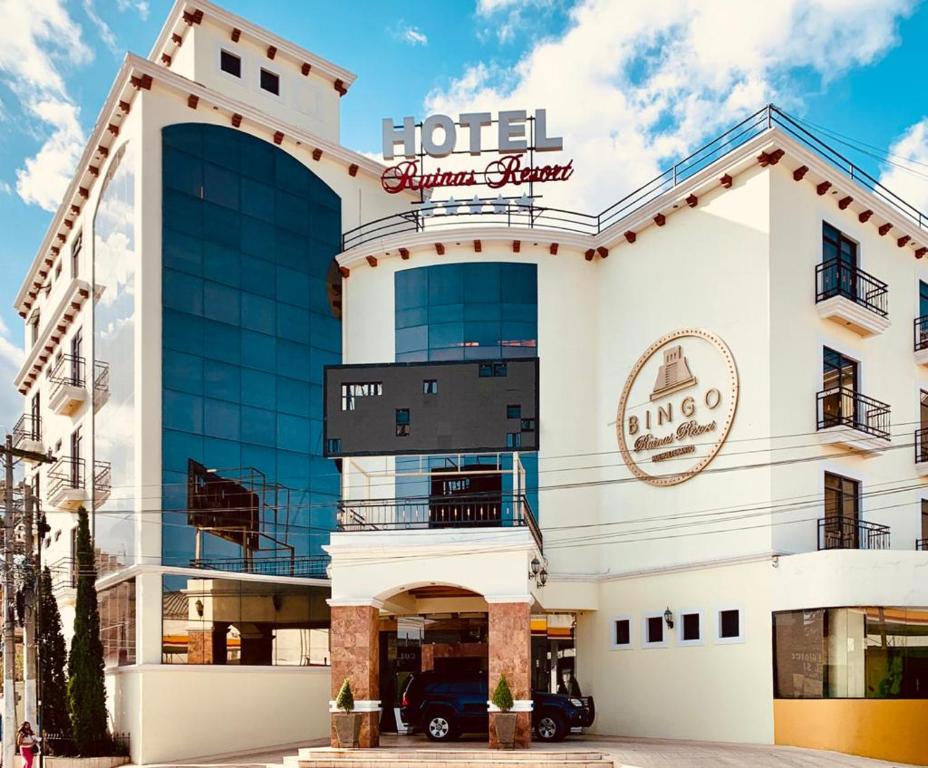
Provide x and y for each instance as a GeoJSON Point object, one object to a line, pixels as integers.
{"type": "Point", "coordinates": [425, 758]}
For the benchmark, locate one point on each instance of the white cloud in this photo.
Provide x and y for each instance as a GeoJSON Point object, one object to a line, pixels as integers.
{"type": "Point", "coordinates": [632, 84]}
{"type": "Point", "coordinates": [11, 358]}
{"type": "Point", "coordinates": [908, 176]}
{"type": "Point", "coordinates": [103, 29]}
{"type": "Point", "coordinates": [38, 40]}
{"type": "Point", "coordinates": [141, 7]}
{"type": "Point", "coordinates": [413, 36]}
{"type": "Point", "coordinates": [46, 176]}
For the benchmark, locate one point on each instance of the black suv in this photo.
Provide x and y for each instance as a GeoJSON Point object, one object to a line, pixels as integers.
{"type": "Point", "coordinates": [445, 705]}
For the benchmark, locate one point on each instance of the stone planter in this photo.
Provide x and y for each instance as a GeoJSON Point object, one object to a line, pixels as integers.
{"type": "Point", "coordinates": [347, 729]}
{"type": "Point", "coordinates": [505, 724]}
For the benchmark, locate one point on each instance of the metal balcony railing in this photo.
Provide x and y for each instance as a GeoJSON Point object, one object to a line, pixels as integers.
{"type": "Point", "coordinates": [921, 445]}
{"type": "Point", "coordinates": [67, 472]}
{"type": "Point", "coordinates": [306, 566]}
{"type": "Point", "coordinates": [102, 482]}
{"type": "Point", "coordinates": [64, 574]}
{"type": "Point", "coordinates": [101, 382]}
{"type": "Point", "coordinates": [27, 428]}
{"type": "Point", "coordinates": [489, 510]}
{"type": "Point", "coordinates": [838, 532]}
{"type": "Point", "coordinates": [511, 213]}
{"type": "Point", "coordinates": [841, 406]}
{"type": "Point", "coordinates": [921, 544]}
{"type": "Point", "coordinates": [837, 278]}
{"type": "Point", "coordinates": [921, 333]}
{"type": "Point", "coordinates": [69, 370]}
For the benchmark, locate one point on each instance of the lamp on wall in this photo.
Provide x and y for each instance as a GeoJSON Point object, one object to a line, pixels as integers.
{"type": "Point", "coordinates": [668, 617]}
{"type": "Point", "coordinates": [536, 567]}
{"type": "Point", "coordinates": [199, 606]}
{"type": "Point", "coordinates": [539, 572]}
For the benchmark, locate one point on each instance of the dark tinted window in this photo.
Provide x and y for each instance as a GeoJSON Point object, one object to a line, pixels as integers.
{"type": "Point", "coordinates": [729, 623]}
{"type": "Point", "coordinates": [690, 626]}
{"type": "Point", "coordinates": [230, 63]}
{"type": "Point", "coordinates": [655, 629]}
{"type": "Point", "coordinates": [622, 632]}
{"type": "Point", "coordinates": [270, 81]}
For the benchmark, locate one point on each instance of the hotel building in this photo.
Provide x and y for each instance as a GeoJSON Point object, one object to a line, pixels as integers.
{"type": "Point", "coordinates": [674, 449]}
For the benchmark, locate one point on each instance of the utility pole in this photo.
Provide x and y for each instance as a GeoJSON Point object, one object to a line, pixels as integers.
{"type": "Point", "coordinates": [9, 638]}
{"type": "Point", "coordinates": [30, 580]}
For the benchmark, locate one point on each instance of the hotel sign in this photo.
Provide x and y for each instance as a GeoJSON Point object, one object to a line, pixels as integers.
{"type": "Point", "coordinates": [439, 137]}
{"type": "Point", "coordinates": [677, 407]}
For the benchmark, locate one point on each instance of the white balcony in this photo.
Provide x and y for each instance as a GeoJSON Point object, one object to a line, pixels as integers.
{"type": "Point", "coordinates": [27, 436]}
{"type": "Point", "coordinates": [67, 487]}
{"type": "Point", "coordinates": [68, 386]}
{"type": "Point", "coordinates": [851, 420]}
{"type": "Point", "coordinates": [850, 297]}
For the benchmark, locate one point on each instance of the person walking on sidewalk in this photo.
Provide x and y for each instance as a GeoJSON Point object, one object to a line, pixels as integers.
{"type": "Point", "coordinates": [26, 741]}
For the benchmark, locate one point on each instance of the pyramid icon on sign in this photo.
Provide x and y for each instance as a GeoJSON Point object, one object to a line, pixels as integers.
{"type": "Point", "coordinates": [673, 375]}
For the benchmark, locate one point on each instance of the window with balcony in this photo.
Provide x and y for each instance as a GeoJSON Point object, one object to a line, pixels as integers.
{"type": "Point", "coordinates": [840, 404]}
{"type": "Point", "coordinates": [76, 246]}
{"type": "Point", "coordinates": [921, 322]}
{"type": "Point", "coordinates": [921, 434]}
{"type": "Point", "coordinates": [841, 527]}
{"type": "Point", "coordinates": [230, 63]}
{"type": "Point", "coordinates": [843, 291]}
{"type": "Point", "coordinates": [922, 541]}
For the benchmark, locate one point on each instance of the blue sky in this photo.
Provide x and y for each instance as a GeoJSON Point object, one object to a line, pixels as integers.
{"type": "Point", "coordinates": [630, 84]}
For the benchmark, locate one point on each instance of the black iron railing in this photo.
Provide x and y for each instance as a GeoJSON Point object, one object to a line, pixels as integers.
{"type": "Point", "coordinates": [490, 510]}
{"type": "Point", "coordinates": [102, 482]}
{"type": "Point", "coordinates": [101, 382]}
{"type": "Point", "coordinates": [510, 213]}
{"type": "Point", "coordinates": [67, 472]}
{"type": "Point", "coordinates": [842, 406]}
{"type": "Point", "coordinates": [838, 532]}
{"type": "Point", "coordinates": [921, 445]}
{"type": "Point", "coordinates": [837, 278]}
{"type": "Point", "coordinates": [921, 332]}
{"type": "Point", "coordinates": [27, 428]}
{"type": "Point", "coordinates": [921, 544]}
{"type": "Point", "coordinates": [307, 566]}
{"type": "Point", "coordinates": [64, 574]}
{"type": "Point", "coordinates": [69, 370]}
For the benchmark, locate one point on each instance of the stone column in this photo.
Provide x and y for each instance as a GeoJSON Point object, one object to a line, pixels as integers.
{"type": "Point", "coordinates": [510, 654]}
{"type": "Point", "coordinates": [354, 637]}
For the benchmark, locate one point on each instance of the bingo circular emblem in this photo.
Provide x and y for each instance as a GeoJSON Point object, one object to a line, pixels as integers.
{"type": "Point", "coordinates": [677, 407]}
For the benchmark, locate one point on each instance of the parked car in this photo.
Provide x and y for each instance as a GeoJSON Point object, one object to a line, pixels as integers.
{"type": "Point", "coordinates": [444, 705]}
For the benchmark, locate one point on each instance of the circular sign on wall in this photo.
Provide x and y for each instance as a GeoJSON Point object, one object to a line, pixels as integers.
{"type": "Point", "coordinates": [677, 407]}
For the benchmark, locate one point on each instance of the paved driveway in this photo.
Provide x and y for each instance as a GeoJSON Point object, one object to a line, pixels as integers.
{"type": "Point", "coordinates": [637, 753]}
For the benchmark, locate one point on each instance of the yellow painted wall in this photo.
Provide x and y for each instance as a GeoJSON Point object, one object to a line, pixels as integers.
{"type": "Point", "coordinates": [887, 729]}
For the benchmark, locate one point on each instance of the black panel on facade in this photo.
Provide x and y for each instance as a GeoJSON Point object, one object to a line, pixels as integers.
{"type": "Point", "coordinates": [439, 407]}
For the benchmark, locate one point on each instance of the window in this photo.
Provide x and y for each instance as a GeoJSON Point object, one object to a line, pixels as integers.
{"type": "Point", "coordinates": [488, 370]}
{"type": "Point", "coordinates": [34, 326]}
{"type": "Point", "coordinates": [839, 264]}
{"type": "Point", "coordinates": [333, 445]}
{"type": "Point", "coordinates": [653, 630]}
{"type": "Point", "coordinates": [528, 425]}
{"type": "Point", "coordinates": [513, 411]}
{"type": "Point", "coordinates": [922, 300]}
{"type": "Point", "coordinates": [270, 82]}
{"type": "Point", "coordinates": [229, 62]}
{"type": "Point", "coordinates": [729, 626]}
{"type": "Point", "coordinates": [351, 392]}
{"type": "Point", "coordinates": [689, 628]}
{"type": "Point", "coordinates": [57, 270]}
{"type": "Point", "coordinates": [842, 512]}
{"type": "Point", "coordinates": [621, 628]}
{"type": "Point", "coordinates": [76, 247]}
{"type": "Point", "coordinates": [402, 422]}
{"type": "Point", "coordinates": [430, 386]}
{"type": "Point", "coordinates": [513, 439]}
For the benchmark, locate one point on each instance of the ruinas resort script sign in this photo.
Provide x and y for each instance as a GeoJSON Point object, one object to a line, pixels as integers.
{"type": "Point", "coordinates": [677, 407]}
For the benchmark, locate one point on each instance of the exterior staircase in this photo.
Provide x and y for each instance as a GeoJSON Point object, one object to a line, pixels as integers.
{"type": "Point", "coordinates": [447, 757]}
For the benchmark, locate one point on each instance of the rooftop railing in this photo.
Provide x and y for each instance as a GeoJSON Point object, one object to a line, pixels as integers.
{"type": "Point", "coordinates": [306, 566]}
{"type": "Point", "coordinates": [525, 213]}
{"type": "Point", "coordinates": [490, 510]}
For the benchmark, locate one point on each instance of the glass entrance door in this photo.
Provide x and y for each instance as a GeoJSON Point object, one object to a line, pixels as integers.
{"type": "Point", "coordinates": [839, 255]}
{"type": "Point", "coordinates": [839, 380]}
{"type": "Point", "coordinates": [842, 512]}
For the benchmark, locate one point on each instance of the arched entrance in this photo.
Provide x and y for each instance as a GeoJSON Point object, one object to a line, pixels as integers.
{"type": "Point", "coordinates": [428, 625]}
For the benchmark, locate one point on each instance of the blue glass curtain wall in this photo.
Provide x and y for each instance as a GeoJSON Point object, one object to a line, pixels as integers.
{"type": "Point", "coordinates": [485, 310]}
{"type": "Point", "coordinates": [249, 235]}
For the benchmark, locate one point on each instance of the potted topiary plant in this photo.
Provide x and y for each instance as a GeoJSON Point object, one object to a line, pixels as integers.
{"type": "Point", "coordinates": [347, 721]}
{"type": "Point", "coordinates": [504, 721]}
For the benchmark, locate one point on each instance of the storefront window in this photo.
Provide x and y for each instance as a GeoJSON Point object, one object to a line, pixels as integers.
{"type": "Point", "coordinates": [117, 624]}
{"type": "Point", "coordinates": [253, 623]}
{"type": "Point", "coordinates": [851, 653]}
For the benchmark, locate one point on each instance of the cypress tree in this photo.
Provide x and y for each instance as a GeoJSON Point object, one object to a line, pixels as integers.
{"type": "Point", "coordinates": [86, 690]}
{"type": "Point", "coordinates": [53, 656]}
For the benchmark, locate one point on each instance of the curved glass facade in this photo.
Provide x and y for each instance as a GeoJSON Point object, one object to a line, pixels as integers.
{"type": "Point", "coordinates": [249, 236]}
{"type": "Point", "coordinates": [479, 311]}
{"type": "Point", "coordinates": [115, 265]}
